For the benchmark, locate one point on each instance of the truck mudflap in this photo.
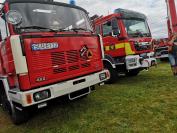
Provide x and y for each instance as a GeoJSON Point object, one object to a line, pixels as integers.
{"type": "Point", "coordinates": [44, 94]}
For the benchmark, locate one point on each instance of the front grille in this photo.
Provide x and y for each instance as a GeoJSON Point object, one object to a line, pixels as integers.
{"type": "Point", "coordinates": [59, 70]}
{"type": "Point", "coordinates": [72, 68]}
{"type": "Point", "coordinates": [161, 49]}
{"type": "Point", "coordinates": [142, 47]}
{"type": "Point", "coordinates": [67, 61]}
{"type": "Point", "coordinates": [164, 52]}
{"type": "Point", "coordinates": [85, 65]}
{"type": "Point", "coordinates": [72, 56]}
{"type": "Point", "coordinates": [58, 58]}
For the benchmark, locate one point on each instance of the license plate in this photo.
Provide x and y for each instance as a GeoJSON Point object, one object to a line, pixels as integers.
{"type": "Point", "coordinates": [44, 46]}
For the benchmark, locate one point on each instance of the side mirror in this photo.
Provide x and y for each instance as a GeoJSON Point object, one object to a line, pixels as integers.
{"type": "Point", "coordinates": [0, 36]}
{"type": "Point", "coordinates": [108, 23]}
{"type": "Point", "coordinates": [115, 32]}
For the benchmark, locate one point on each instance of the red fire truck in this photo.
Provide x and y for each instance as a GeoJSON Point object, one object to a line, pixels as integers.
{"type": "Point", "coordinates": [172, 18]}
{"type": "Point", "coordinates": [47, 50]}
{"type": "Point", "coordinates": [161, 48]}
{"type": "Point", "coordinates": [127, 42]}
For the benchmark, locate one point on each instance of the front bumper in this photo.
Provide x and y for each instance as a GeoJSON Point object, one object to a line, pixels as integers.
{"type": "Point", "coordinates": [149, 61]}
{"type": "Point", "coordinates": [137, 62]}
{"type": "Point", "coordinates": [132, 62]}
{"type": "Point", "coordinates": [162, 56]}
{"type": "Point", "coordinates": [57, 90]}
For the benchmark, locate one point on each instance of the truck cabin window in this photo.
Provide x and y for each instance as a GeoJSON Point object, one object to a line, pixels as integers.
{"type": "Point", "coordinates": [47, 17]}
{"type": "Point", "coordinates": [3, 29]}
{"type": "Point", "coordinates": [97, 29]}
{"type": "Point", "coordinates": [107, 29]}
{"type": "Point", "coordinates": [111, 28]}
{"type": "Point", "coordinates": [136, 28]}
{"type": "Point", "coordinates": [115, 27]}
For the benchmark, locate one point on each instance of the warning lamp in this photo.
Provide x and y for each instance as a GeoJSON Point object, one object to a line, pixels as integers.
{"type": "Point", "coordinates": [72, 2]}
{"type": "Point", "coordinates": [29, 99]}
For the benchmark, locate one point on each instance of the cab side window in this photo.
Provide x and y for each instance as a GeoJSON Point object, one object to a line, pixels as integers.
{"type": "Point", "coordinates": [115, 27]}
{"type": "Point", "coordinates": [111, 28]}
{"type": "Point", "coordinates": [107, 28]}
{"type": "Point", "coordinates": [97, 30]}
{"type": "Point", "coordinates": [3, 28]}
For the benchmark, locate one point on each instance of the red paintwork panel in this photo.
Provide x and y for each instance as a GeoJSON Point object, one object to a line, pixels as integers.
{"type": "Point", "coordinates": [62, 63]}
{"type": "Point", "coordinates": [8, 68]}
{"type": "Point", "coordinates": [24, 82]}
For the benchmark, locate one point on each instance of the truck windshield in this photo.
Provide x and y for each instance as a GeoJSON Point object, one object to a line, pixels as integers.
{"type": "Point", "coordinates": [38, 16]}
{"type": "Point", "coordinates": [136, 28]}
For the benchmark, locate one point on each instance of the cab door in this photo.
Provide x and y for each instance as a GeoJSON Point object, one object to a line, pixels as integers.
{"type": "Point", "coordinates": [111, 33]}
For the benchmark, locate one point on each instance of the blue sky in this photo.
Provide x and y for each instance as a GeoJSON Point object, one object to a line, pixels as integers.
{"type": "Point", "coordinates": [154, 9]}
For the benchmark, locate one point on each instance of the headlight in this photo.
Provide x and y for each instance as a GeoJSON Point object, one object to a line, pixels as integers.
{"type": "Point", "coordinates": [132, 60]}
{"type": "Point", "coordinates": [103, 76]}
{"type": "Point", "coordinates": [13, 17]}
{"type": "Point", "coordinates": [143, 55]}
{"type": "Point", "coordinates": [38, 96]}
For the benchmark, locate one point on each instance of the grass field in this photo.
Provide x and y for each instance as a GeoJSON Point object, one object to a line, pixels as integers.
{"type": "Point", "coordinates": [146, 103]}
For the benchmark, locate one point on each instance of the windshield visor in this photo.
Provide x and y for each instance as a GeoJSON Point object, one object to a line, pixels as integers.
{"type": "Point", "coordinates": [136, 28]}
{"type": "Point", "coordinates": [50, 16]}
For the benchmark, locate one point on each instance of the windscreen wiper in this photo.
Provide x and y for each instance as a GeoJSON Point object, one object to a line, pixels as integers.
{"type": "Point", "coordinates": [37, 27]}
{"type": "Point", "coordinates": [140, 34]}
{"type": "Point", "coordinates": [78, 29]}
{"type": "Point", "coordinates": [147, 34]}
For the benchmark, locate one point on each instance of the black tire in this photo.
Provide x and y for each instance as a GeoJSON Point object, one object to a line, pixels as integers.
{"type": "Point", "coordinates": [132, 73]}
{"type": "Point", "coordinates": [113, 74]}
{"type": "Point", "coordinates": [164, 59]}
{"type": "Point", "coordinates": [5, 104]}
{"type": "Point", "coordinates": [153, 63]}
{"type": "Point", "coordinates": [19, 117]}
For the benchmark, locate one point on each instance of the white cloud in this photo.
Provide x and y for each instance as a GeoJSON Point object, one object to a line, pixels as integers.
{"type": "Point", "coordinates": [154, 9]}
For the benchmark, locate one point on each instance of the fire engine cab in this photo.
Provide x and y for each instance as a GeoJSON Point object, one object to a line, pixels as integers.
{"type": "Point", "coordinates": [127, 42]}
{"type": "Point", "coordinates": [47, 50]}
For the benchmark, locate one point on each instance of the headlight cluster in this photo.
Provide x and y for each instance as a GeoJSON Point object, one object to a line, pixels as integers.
{"type": "Point", "coordinates": [42, 95]}
{"type": "Point", "coordinates": [132, 60]}
{"type": "Point", "coordinates": [103, 76]}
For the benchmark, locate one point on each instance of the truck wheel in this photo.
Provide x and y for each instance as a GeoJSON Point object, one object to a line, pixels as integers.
{"type": "Point", "coordinates": [4, 102]}
{"type": "Point", "coordinates": [19, 116]}
{"type": "Point", "coordinates": [163, 59]}
{"type": "Point", "coordinates": [113, 74]}
{"type": "Point", "coordinates": [153, 63]}
{"type": "Point", "coordinates": [132, 73]}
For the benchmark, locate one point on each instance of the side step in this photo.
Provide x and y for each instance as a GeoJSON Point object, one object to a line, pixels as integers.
{"type": "Point", "coordinates": [80, 93]}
